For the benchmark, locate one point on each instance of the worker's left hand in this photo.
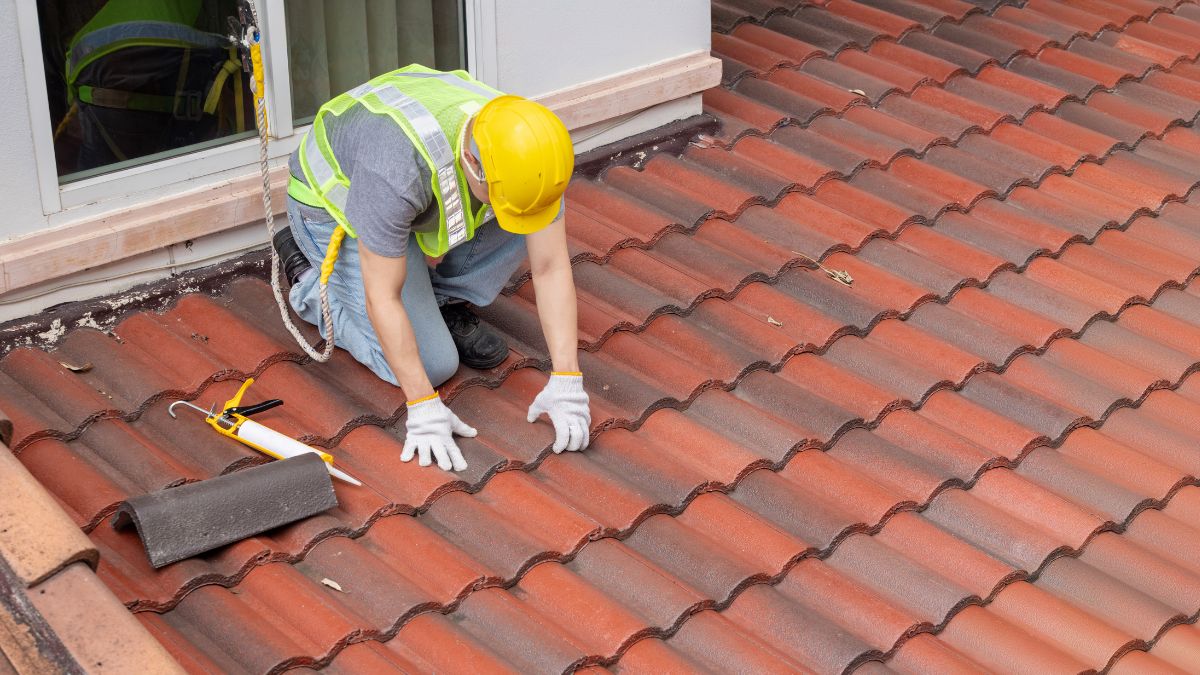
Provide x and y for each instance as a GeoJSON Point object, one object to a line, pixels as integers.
{"type": "Point", "coordinates": [566, 403]}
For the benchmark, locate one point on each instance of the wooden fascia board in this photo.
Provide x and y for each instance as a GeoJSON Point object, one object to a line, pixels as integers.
{"type": "Point", "coordinates": [634, 90]}
{"type": "Point", "coordinates": [147, 227]}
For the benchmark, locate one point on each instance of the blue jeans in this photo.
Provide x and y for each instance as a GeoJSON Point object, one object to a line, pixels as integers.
{"type": "Point", "coordinates": [474, 271]}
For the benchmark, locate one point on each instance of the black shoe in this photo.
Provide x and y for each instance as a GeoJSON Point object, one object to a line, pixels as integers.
{"type": "Point", "coordinates": [290, 256]}
{"type": "Point", "coordinates": [479, 345]}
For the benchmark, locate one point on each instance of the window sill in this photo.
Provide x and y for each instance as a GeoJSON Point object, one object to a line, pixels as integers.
{"type": "Point", "coordinates": [209, 199]}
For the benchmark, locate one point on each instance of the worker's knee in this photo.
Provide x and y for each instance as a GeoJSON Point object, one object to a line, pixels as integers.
{"type": "Point", "coordinates": [441, 364]}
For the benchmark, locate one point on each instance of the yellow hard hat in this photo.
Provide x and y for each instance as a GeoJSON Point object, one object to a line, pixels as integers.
{"type": "Point", "coordinates": [527, 160]}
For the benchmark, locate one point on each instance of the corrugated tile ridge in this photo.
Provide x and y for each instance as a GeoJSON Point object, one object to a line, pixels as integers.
{"type": "Point", "coordinates": [790, 10]}
{"type": "Point", "coordinates": [925, 628]}
{"type": "Point", "coordinates": [921, 29]}
{"type": "Point", "coordinates": [863, 102]}
{"type": "Point", "coordinates": [778, 9]}
{"type": "Point", "coordinates": [800, 446]}
{"type": "Point", "coordinates": [771, 202]}
{"type": "Point", "coordinates": [634, 424]}
{"type": "Point", "coordinates": [1134, 644]}
{"type": "Point", "coordinates": [360, 635]}
{"type": "Point", "coordinates": [132, 415]}
{"type": "Point", "coordinates": [1147, 645]}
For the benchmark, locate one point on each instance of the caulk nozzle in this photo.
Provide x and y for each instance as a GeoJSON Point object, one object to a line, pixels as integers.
{"type": "Point", "coordinates": [338, 473]}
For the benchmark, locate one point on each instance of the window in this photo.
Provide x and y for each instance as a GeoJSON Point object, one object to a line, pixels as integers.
{"type": "Point", "coordinates": [131, 82]}
{"type": "Point", "coordinates": [336, 45]}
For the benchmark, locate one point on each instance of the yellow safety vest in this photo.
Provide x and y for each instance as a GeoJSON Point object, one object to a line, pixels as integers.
{"type": "Point", "coordinates": [430, 107]}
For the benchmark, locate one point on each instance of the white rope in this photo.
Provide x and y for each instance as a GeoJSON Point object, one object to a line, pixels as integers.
{"type": "Point", "coordinates": [280, 301]}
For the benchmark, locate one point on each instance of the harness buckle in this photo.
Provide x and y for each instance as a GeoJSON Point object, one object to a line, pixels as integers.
{"type": "Point", "coordinates": [189, 106]}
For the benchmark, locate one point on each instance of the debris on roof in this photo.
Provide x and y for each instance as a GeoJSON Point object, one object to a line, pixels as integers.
{"type": "Point", "coordinates": [977, 456]}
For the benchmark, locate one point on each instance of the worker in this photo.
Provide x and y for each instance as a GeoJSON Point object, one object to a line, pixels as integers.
{"type": "Point", "coordinates": [419, 164]}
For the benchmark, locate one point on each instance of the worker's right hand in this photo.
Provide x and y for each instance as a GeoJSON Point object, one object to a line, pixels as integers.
{"type": "Point", "coordinates": [431, 427]}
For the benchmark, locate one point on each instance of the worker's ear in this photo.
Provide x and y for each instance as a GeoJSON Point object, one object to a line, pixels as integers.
{"type": "Point", "coordinates": [473, 167]}
{"type": "Point", "coordinates": [475, 180]}
{"type": "Point", "coordinates": [473, 156]}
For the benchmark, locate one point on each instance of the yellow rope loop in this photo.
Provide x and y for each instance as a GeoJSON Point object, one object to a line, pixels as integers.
{"type": "Point", "coordinates": [331, 253]}
{"type": "Point", "coordinates": [258, 85]}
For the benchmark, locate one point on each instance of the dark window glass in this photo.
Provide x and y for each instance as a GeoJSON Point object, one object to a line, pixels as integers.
{"type": "Point", "coordinates": [131, 81]}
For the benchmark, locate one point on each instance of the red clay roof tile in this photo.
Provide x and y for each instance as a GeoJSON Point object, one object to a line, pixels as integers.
{"type": "Point", "coordinates": [786, 472]}
{"type": "Point", "coordinates": [37, 540]}
{"type": "Point", "coordinates": [93, 627]}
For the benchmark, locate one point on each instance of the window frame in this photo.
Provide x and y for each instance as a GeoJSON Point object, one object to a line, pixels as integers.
{"type": "Point", "coordinates": [64, 202]}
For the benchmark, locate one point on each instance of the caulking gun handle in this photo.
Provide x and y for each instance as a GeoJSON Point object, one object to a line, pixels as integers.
{"type": "Point", "coordinates": [248, 410]}
{"type": "Point", "coordinates": [269, 439]}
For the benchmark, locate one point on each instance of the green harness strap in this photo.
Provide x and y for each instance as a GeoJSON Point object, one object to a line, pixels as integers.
{"type": "Point", "coordinates": [127, 100]}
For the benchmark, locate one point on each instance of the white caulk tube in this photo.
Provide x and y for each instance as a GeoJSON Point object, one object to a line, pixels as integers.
{"type": "Point", "coordinates": [284, 446]}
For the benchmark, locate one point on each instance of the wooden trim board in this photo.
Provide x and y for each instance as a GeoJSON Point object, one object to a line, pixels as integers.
{"type": "Point", "coordinates": [58, 252]}
{"type": "Point", "coordinates": [634, 90]}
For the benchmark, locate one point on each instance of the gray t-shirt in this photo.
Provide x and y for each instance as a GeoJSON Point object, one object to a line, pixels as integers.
{"type": "Point", "coordinates": [389, 181]}
{"type": "Point", "coordinates": [390, 189]}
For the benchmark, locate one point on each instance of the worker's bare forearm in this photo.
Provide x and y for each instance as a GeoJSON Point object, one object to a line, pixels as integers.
{"type": "Point", "coordinates": [554, 286]}
{"type": "Point", "coordinates": [383, 282]}
{"type": "Point", "coordinates": [399, 344]}
{"type": "Point", "coordinates": [558, 314]}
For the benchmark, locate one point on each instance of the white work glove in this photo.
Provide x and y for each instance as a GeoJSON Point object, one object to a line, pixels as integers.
{"type": "Point", "coordinates": [430, 427]}
{"type": "Point", "coordinates": [566, 403]}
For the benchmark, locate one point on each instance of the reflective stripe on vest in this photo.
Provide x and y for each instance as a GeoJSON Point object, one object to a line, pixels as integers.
{"type": "Point", "coordinates": [439, 148]}
{"type": "Point", "coordinates": [451, 79]}
{"type": "Point", "coordinates": [102, 41]}
{"type": "Point", "coordinates": [328, 181]}
{"type": "Point", "coordinates": [324, 178]}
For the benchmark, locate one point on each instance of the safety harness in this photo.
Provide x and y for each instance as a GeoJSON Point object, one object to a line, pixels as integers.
{"type": "Point", "coordinates": [124, 25]}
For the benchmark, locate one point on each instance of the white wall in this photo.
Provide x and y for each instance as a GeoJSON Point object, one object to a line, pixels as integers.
{"type": "Point", "coordinates": [22, 205]}
{"type": "Point", "coordinates": [544, 46]}
{"type": "Point", "coordinates": [541, 46]}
